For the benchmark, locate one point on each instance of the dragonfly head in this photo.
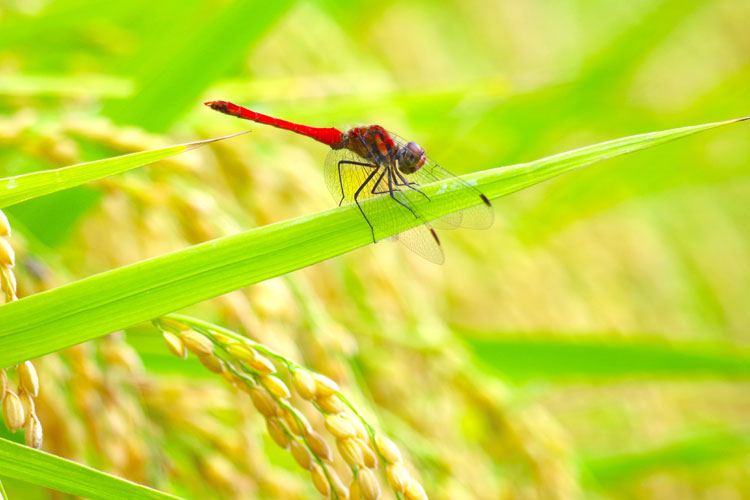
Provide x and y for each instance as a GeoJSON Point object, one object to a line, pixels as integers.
{"type": "Point", "coordinates": [411, 158]}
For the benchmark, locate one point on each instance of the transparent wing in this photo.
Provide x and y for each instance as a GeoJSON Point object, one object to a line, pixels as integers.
{"type": "Point", "coordinates": [352, 178]}
{"type": "Point", "coordinates": [480, 216]}
{"type": "Point", "coordinates": [348, 175]}
{"type": "Point", "coordinates": [345, 171]}
{"type": "Point", "coordinates": [423, 241]}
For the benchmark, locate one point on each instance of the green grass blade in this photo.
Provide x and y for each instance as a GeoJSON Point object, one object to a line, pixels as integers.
{"type": "Point", "coordinates": [24, 187]}
{"type": "Point", "coordinates": [694, 451]}
{"type": "Point", "coordinates": [565, 359]}
{"type": "Point", "coordinates": [110, 301]}
{"type": "Point", "coordinates": [50, 471]}
{"type": "Point", "coordinates": [498, 182]}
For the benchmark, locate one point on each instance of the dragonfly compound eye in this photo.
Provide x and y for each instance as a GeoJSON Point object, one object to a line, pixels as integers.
{"type": "Point", "coordinates": [411, 159]}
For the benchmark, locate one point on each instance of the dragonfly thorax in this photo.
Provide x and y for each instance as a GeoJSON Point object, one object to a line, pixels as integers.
{"type": "Point", "coordinates": [375, 144]}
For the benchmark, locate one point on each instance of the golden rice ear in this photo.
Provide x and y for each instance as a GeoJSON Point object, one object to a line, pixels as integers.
{"type": "Point", "coordinates": [8, 284]}
{"type": "Point", "coordinates": [296, 421]}
{"type": "Point", "coordinates": [27, 401]}
{"type": "Point", "coordinates": [354, 493]}
{"type": "Point", "coordinates": [369, 488]}
{"type": "Point", "coordinates": [275, 386]}
{"type": "Point", "coordinates": [304, 383]}
{"type": "Point", "coordinates": [331, 404]}
{"type": "Point", "coordinates": [318, 445]}
{"type": "Point", "coordinates": [4, 225]}
{"type": "Point", "coordinates": [211, 362]}
{"type": "Point", "coordinates": [34, 433]}
{"type": "Point", "coordinates": [277, 432]}
{"type": "Point", "coordinates": [263, 402]}
{"type": "Point", "coordinates": [174, 344]}
{"type": "Point", "coordinates": [324, 386]}
{"type": "Point", "coordinates": [338, 485]}
{"type": "Point", "coordinates": [262, 364]}
{"type": "Point", "coordinates": [7, 255]}
{"type": "Point", "coordinates": [301, 455]}
{"type": "Point", "coordinates": [13, 412]}
{"type": "Point", "coordinates": [319, 480]}
{"type": "Point", "coordinates": [415, 491]}
{"type": "Point", "coordinates": [351, 452]}
{"type": "Point", "coordinates": [197, 343]}
{"type": "Point", "coordinates": [238, 361]}
{"type": "Point", "coordinates": [339, 426]}
{"type": "Point", "coordinates": [387, 449]}
{"type": "Point", "coordinates": [398, 477]}
{"type": "Point", "coordinates": [240, 351]}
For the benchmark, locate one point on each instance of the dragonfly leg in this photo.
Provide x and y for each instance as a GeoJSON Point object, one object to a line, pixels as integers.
{"type": "Point", "coordinates": [377, 183]}
{"type": "Point", "coordinates": [341, 180]}
{"type": "Point", "coordinates": [356, 196]}
{"type": "Point", "coordinates": [390, 190]}
{"type": "Point", "coordinates": [410, 185]}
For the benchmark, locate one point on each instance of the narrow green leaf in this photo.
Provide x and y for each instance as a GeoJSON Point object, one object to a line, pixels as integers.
{"type": "Point", "coordinates": [95, 306]}
{"type": "Point", "coordinates": [690, 452]}
{"type": "Point", "coordinates": [564, 358]}
{"type": "Point", "coordinates": [498, 182]}
{"type": "Point", "coordinates": [23, 187]}
{"type": "Point", "coordinates": [50, 471]}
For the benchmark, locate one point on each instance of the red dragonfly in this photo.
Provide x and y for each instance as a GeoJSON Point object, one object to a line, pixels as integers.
{"type": "Point", "coordinates": [370, 163]}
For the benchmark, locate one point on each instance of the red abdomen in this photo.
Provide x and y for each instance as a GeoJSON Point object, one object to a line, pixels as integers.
{"type": "Point", "coordinates": [329, 136]}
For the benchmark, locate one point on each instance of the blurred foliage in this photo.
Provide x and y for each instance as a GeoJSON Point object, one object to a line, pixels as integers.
{"type": "Point", "coordinates": [638, 268]}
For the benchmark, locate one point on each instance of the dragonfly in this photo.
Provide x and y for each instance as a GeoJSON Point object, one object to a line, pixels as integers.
{"type": "Point", "coordinates": [375, 169]}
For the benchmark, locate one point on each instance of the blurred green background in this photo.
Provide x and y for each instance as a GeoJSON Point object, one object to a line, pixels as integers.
{"type": "Point", "coordinates": [592, 344]}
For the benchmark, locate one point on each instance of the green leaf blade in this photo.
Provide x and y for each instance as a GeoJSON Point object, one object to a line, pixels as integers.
{"type": "Point", "coordinates": [505, 180]}
{"type": "Point", "coordinates": [24, 187]}
{"type": "Point", "coordinates": [565, 359]}
{"type": "Point", "coordinates": [110, 301]}
{"type": "Point", "coordinates": [50, 471]}
{"type": "Point", "coordinates": [690, 452]}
